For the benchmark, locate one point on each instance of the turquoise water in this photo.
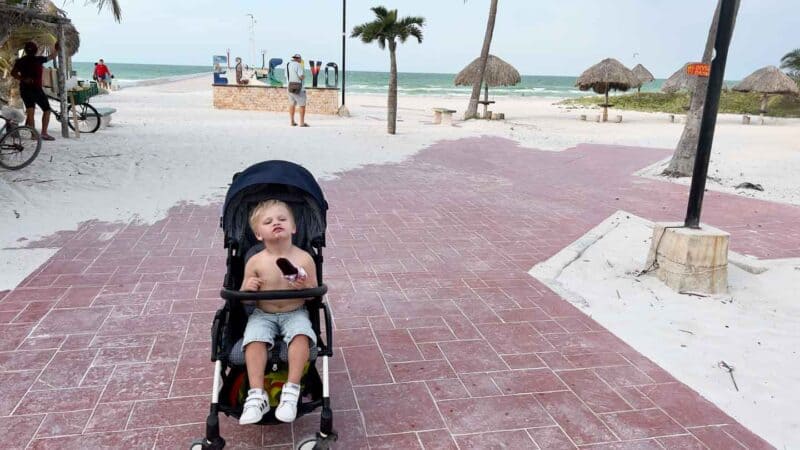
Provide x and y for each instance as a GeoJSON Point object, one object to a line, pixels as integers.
{"type": "Point", "coordinates": [128, 74]}
{"type": "Point", "coordinates": [366, 82]}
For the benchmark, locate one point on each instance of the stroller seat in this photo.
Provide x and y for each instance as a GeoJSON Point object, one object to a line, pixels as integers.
{"type": "Point", "coordinates": [278, 352]}
{"type": "Point", "coordinates": [295, 186]}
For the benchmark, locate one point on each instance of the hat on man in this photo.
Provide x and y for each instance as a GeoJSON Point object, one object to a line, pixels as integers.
{"type": "Point", "coordinates": [296, 56]}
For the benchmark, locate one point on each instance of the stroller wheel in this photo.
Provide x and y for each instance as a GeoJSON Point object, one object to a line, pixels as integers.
{"type": "Point", "coordinates": [318, 442]}
{"type": "Point", "coordinates": [308, 444]}
{"type": "Point", "coordinates": [205, 444]}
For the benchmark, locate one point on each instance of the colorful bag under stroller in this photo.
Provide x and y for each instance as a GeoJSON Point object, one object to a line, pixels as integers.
{"type": "Point", "coordinates": [295, 186]}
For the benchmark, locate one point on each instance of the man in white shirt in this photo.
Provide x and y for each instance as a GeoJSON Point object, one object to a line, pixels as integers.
{"type": "Point", "coordinates": [294, 77]}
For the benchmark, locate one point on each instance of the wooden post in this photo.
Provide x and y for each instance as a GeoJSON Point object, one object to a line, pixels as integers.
{"type": "Point", "coordinates": [62, 78]}
{"type": "Point", "coordinates": [605, 107]}
{"type": "Point", "coordinates": [72, 107]}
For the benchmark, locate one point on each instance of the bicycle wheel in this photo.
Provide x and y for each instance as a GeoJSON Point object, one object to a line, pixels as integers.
{"type": "Point", "coordinates": [19, 147]}
{"type": "Point", "coordinates": [88, 118]}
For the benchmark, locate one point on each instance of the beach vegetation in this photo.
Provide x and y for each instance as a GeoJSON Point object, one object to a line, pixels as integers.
{"type": "Point", "coordinates": [677, 103]}
{"type": "Point", "coordinates": [472, 107]}
{"type": "Point", "coordinates": [387, 30]}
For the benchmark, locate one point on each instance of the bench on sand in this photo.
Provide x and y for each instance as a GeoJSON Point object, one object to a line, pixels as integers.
{"type": "Point", "coordinates": [438, 113]}
{"type": "Point", "coordinates": [105, 116]}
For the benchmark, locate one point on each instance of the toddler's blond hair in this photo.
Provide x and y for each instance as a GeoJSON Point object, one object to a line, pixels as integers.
{"type": "Point", "coordinates": [261, 207]}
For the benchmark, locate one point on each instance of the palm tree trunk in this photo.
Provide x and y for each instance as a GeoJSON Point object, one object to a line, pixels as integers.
{"type": "Point", "coordinates": [682, 162]}
{"type": "Point", "coordinates": [472, 108]}
{"type": "Point", "coordinates": [391, 106]}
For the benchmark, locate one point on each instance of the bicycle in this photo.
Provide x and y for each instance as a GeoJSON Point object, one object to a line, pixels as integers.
{"type": "Point", "coordinates": [88, 117]}
{"type": "Point", "coordinates": [19, 144]}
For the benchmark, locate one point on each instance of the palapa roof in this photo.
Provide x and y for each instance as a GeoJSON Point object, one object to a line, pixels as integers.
{"type": "Point", "coordinates": [608, 74]}
{"type": "Point", "coordinates": [45, 16]}
{"type": "Point", "coordinates": [678, 81]}
{"type": "Point", "coordinates": [643, 74]}
{"type": "Point", "coordinates": [498, 73]}
{"type": "Point", "coordinates": [768, 80]}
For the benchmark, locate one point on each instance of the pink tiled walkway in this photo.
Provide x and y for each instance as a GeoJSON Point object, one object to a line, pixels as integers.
{"type": "Point", "coordinates": [442, 339]}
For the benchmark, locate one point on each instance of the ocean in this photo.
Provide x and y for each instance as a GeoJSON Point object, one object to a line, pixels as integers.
{"type": "Point", "coordinates": [362, 82]}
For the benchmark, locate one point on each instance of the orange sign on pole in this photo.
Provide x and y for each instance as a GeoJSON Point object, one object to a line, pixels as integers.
{"type": "Point", "coordinates": [698, 69]}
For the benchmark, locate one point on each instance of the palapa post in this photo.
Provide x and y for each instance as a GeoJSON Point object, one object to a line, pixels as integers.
{"type": "Point", "coordinates": [62, 77]}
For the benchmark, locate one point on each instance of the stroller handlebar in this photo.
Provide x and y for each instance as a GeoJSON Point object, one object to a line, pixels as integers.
{"type": "Point", "coordinates": [318, 291]}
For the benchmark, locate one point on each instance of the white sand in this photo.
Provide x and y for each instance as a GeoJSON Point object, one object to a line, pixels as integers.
{"type": "Point", "coordinates": [168, 144]}
{"type": "Point", "coordinates": [755, 329]}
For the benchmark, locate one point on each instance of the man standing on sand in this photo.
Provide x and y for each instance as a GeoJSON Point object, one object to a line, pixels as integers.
{"type": "Point", "coordinates": [103, 74]}
{"type": "Point", "coordinates": [28, 70]}
{"type": "Point", "coordinates": [297, 92]}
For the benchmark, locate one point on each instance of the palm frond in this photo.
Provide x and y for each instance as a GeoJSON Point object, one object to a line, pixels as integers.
{"type": "Point", "coordinates": [386, 28]}
{"type": "Point", "coordinates": [380, 11]}
{"type": "Point", "coordinates": [791, 60]}
{"type": "Point", "coordinates": [116, 10]}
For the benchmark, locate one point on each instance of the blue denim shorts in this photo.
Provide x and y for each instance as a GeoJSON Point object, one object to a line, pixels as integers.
{"type": "Point", "coordinates": [264, 327]}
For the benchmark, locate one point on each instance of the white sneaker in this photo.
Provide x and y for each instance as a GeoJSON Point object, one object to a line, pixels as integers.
{"type": "Point", "coordinates": [256, 405]}
{"type": "Point", "coordinates": [287, 408]}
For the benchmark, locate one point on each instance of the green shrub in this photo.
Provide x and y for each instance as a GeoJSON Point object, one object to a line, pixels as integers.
{"type": "Point", "coordinates": [730, 103]}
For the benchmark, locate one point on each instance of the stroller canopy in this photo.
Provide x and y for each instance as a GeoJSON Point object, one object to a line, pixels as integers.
{"type": "Point", "coordinates": [280, 180]}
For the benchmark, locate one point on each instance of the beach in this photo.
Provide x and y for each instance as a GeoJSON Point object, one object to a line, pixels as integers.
{"type": "Point", "coordinates": [168, 146]}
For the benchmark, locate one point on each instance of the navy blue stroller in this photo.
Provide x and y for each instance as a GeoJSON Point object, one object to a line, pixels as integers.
{"type": "Point", "coordinates": [295, 186]}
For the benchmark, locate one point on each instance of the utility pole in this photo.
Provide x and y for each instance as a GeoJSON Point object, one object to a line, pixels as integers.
{"type": "Point", "coordinates": [252, 38]}
{"type": "Point", "coordinates": [727, 17]}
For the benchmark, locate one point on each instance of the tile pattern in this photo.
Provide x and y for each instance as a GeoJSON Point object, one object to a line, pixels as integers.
{"type": "Point", "coordinates": [443, 340]}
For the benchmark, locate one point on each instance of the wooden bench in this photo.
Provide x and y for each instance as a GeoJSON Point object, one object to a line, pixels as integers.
{"type": "Point", "coordinates": [105, 116]}
{"type": "Point", "coordinates": [439, 113]}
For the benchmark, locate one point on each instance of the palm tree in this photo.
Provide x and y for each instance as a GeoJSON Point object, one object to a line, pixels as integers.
{"type": "Point", "coordinates": [472, 108]}
{"type": "Point", "coordinates": [682, 162]}
{"type": "Point", "coordinates": [791, 61]}
{"type": "Point", "coordinates": [388, 29]}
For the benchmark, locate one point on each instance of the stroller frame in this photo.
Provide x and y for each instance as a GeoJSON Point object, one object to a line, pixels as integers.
{"type": "Point", "coordinates": [222, 341]}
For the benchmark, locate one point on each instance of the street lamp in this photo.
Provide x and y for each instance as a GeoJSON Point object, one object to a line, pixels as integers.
{"type": "Point", "coordinates": [252, 38]}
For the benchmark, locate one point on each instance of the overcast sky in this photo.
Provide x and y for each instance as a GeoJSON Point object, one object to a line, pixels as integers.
{"type": "Point", "coordinates": [537, 37]}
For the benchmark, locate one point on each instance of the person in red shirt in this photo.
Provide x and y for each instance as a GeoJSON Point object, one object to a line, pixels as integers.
{"type": "Point", "coordinates": [103, 74]}
{"type": "Point", "coordinates": [28, 70]}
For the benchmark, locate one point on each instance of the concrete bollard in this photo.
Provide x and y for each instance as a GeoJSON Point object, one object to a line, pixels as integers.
{"type": "Point", "coordinates": [746, 119]}
{"type": "Point", "coordinates": [618, 119]}
{"type": "Point", "coordinates": [583, 117]}
{"type": "Point", "coordinates": [688, 259]}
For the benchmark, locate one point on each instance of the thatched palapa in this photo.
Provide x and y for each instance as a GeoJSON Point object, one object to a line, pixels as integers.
{"type": "Point", "coordinates": [768, 80]}
{"type": "Point", "coordinates": [678, 81]}
{"type": "Point", "coordinates": [498, 73]}
{"type": "Point", "coordinates": [609, 74]}
{"type": "Point", "coordinates": [41, 22]}
{"type": "Point", "coordinates": [643, 75]}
